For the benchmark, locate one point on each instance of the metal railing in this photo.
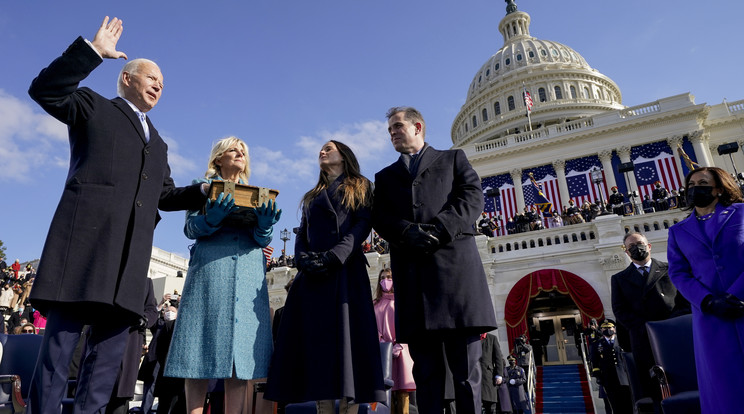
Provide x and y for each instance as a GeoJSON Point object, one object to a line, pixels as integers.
{"type": "Point", "coordinates": [585, 362]}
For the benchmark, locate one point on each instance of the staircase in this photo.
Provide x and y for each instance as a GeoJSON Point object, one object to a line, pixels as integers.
{"type": "Point", "coordinates": [562, 389]}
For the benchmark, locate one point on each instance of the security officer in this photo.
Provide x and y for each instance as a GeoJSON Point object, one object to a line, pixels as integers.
{"type": "Point", "coordinates": [617, 199]}
{"type": "Point", "coordinates": [609, 372]}
{"type": "Point", "coordinates": [660, 196]}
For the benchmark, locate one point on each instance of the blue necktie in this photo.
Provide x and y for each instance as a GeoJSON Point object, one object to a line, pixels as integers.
{"type": "Point", "coordinates": [143, 120]}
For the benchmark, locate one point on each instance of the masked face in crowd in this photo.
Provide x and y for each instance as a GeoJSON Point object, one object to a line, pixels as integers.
{"type": "Point", "coordinates": [386, 281]}
{"type": "Point", "coordinates": [700, 196]}
{"type": "Point", "coordinates": [637, 247]}
{"type": "Point", "coordinates": [608, 332]}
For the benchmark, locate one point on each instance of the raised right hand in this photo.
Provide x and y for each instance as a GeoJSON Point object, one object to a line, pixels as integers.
{"type": "Point", "coordinates": [107, 37]}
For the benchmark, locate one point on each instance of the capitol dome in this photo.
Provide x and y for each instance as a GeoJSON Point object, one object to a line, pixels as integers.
{"type": "Point", "coordinates": [562, 85]}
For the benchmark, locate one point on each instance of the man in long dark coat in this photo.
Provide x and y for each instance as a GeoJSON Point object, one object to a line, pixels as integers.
{"type": "Point", "coordinates": [96, 255]}
{"type": "Point", "coordinates": [425, 205]}
{"type": "Point", "coordinates": [495, 397]}
{"type": "Point", "coordinates": [643, 292]}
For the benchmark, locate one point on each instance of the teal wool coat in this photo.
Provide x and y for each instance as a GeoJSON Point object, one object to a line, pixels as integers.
{"type": "Point", "coordinates": [223, 319]}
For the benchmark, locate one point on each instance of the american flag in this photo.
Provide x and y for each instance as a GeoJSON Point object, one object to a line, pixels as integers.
{"type": "Point", "coordinates": [268, 251]}
{"type": "Point", "coordinates": [655, 162]}
{"type": "Point", "coordinates": [505, 204]}
{"type": "Point", "coordinates": [527, 99]}
{"type": "Point", "coordinates": [581, 188]}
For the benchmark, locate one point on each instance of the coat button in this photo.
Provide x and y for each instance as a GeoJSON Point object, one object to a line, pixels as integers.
{"type": "Point", "coordinates": [235, 257]}
{"type": "Point", "coordinates": [139, 203]}
{"type": "Point", "coordinates": [147, 151]}
{"type": "Point", "coordinates": [144, 176]}
{"type": "Point", "coordinates": [415, 183]}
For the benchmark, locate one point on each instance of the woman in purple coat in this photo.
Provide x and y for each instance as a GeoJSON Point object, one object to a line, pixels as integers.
{"type": "Point", "coordinates": [327, 346]}
{"type": "Point", "coordinates": [706, 263]}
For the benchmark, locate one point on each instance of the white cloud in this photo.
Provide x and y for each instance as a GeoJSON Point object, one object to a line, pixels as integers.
{"type": "Point", "coordinates": [369, 141]}
{"type": "Point", "coordinates": [181, 167]}
{"type": "Point", "coordinates": [29, 141]}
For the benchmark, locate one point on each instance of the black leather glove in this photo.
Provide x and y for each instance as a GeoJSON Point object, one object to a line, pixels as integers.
{"type": "Point", "coordinates": [420, 237]}
{"type": "Point", "coordinates": [724, 306]}
{"type": "Point", "coordinates": [303, 259]}
{"type": "Point", "coordinates": [322, 263]}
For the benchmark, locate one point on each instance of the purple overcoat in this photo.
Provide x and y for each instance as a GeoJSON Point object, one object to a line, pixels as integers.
{"type": "Point", "coordinates": [707, 257]}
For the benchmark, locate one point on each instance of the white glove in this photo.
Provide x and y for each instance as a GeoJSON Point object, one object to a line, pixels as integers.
{"type": "Point", "coordinates": [512, 382]}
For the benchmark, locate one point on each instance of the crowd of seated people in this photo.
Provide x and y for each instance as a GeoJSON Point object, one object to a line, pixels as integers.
{"type": "Point", "coordinates": [15, 309]}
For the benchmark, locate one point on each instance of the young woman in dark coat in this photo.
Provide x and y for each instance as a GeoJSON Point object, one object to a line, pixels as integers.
{"type": "Point", "coordinates": [327, 346]}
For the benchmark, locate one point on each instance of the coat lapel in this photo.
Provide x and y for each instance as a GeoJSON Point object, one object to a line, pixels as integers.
{"type": "Point", "coordinates": [654, 274]}
{"type": "Point", "coordinates": [720, 220]}
{"type": "Point", "coordinates": [127, 110]}
{"type": "Point", "coordinates": [427, 158]}
{"type": "Point", "coordinates": [690, 225]}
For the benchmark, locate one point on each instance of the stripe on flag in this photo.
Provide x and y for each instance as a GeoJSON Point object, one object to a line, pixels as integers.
{"type": "Point", "coordinates": [527, 99]}
{"type": "Point", "coordinates": [268, 251]}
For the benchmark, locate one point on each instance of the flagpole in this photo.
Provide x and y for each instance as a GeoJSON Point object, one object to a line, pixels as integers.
{"type": "Point", "coordinates": [528, 105]}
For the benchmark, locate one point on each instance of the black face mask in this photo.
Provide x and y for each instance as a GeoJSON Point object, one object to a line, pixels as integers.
{"type": "Point", "coordinates": [638, 252]}
{"type": "Point", "coordinates": [700, 195]}
{"type": "Point", "coordinates": [608, 332]}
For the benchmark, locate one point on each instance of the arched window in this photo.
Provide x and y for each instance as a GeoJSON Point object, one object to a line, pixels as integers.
{"type": "Point", "coordinates": [475, 121]}
{"type": "Point", "coordinates": [497, 108]}
{"type": "Point", "coordinates": [542, 95]}
{"type": "Point", "coordinates": [573, 92]}
{"type": "Point", "coordinates": [510, 102]}
{"type": "Point", "coordinates": [484, 114]}
{"type": "Point", "coordinates": [586, 93]}
{"type": "Point", "coordinates": [558, 93]}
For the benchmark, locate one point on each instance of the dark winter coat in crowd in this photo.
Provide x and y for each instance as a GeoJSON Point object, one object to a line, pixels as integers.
{"type": "Point", "coordinates": [433, 292]}
{"type": "Point", "coordinates": [327, 345]}
{"type": "Point", "coordinates": [99, 244]}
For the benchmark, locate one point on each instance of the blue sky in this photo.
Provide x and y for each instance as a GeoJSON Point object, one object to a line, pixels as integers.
{"type": "Point", "coordinates": [286, 76]}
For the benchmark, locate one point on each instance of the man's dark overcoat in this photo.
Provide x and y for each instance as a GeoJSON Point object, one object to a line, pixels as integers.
{"type": "Point", "coordinates": [327, 345]}
{"type": "Point", "coordinates": [130, 363]}
{"type": "Point", "coordinates": [99, 244]}
{"type": "Point", "coordinates": [446, 289]}
{"type": "Point", "coordinates": [492, 364]}
{"type": "Point", "coordinates": [637, 300]}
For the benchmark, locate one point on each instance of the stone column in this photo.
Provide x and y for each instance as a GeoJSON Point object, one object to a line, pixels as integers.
{"type": "Point", "coordinates": [605, 157]}
{"type": "Point", "coordinates": [560, 171]}
{"type": "Point", "coordinates": [700, 141]}
{"type": "Point", "coordinates": [516, 175]}
{"type": "Point", "coordinates": [673, 142]}
{"type": "Point", "coordinates": [624, 154]}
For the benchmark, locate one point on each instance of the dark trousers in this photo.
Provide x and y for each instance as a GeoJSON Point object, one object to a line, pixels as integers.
{"type": "Point", "coordinates": [437, 356]}
{"type": "Point", "coordinates": [98, 369]}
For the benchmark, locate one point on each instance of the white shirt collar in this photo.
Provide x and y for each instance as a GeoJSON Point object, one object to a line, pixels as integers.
{"type": "Point", "coordinates": [647, 264]}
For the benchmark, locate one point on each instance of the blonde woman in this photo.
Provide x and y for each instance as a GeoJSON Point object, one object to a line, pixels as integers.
{"type": "Point", "coordinates": [223, 330]}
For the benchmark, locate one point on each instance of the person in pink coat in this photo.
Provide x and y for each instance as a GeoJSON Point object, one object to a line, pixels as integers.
{"type": "Point", "coordinates": [402, 363]}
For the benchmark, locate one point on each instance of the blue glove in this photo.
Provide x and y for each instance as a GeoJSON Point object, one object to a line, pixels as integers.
{"type": "Point", "coordinates": [217, 210]}
{"type": "Point", "coordinates": [267, 215]}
